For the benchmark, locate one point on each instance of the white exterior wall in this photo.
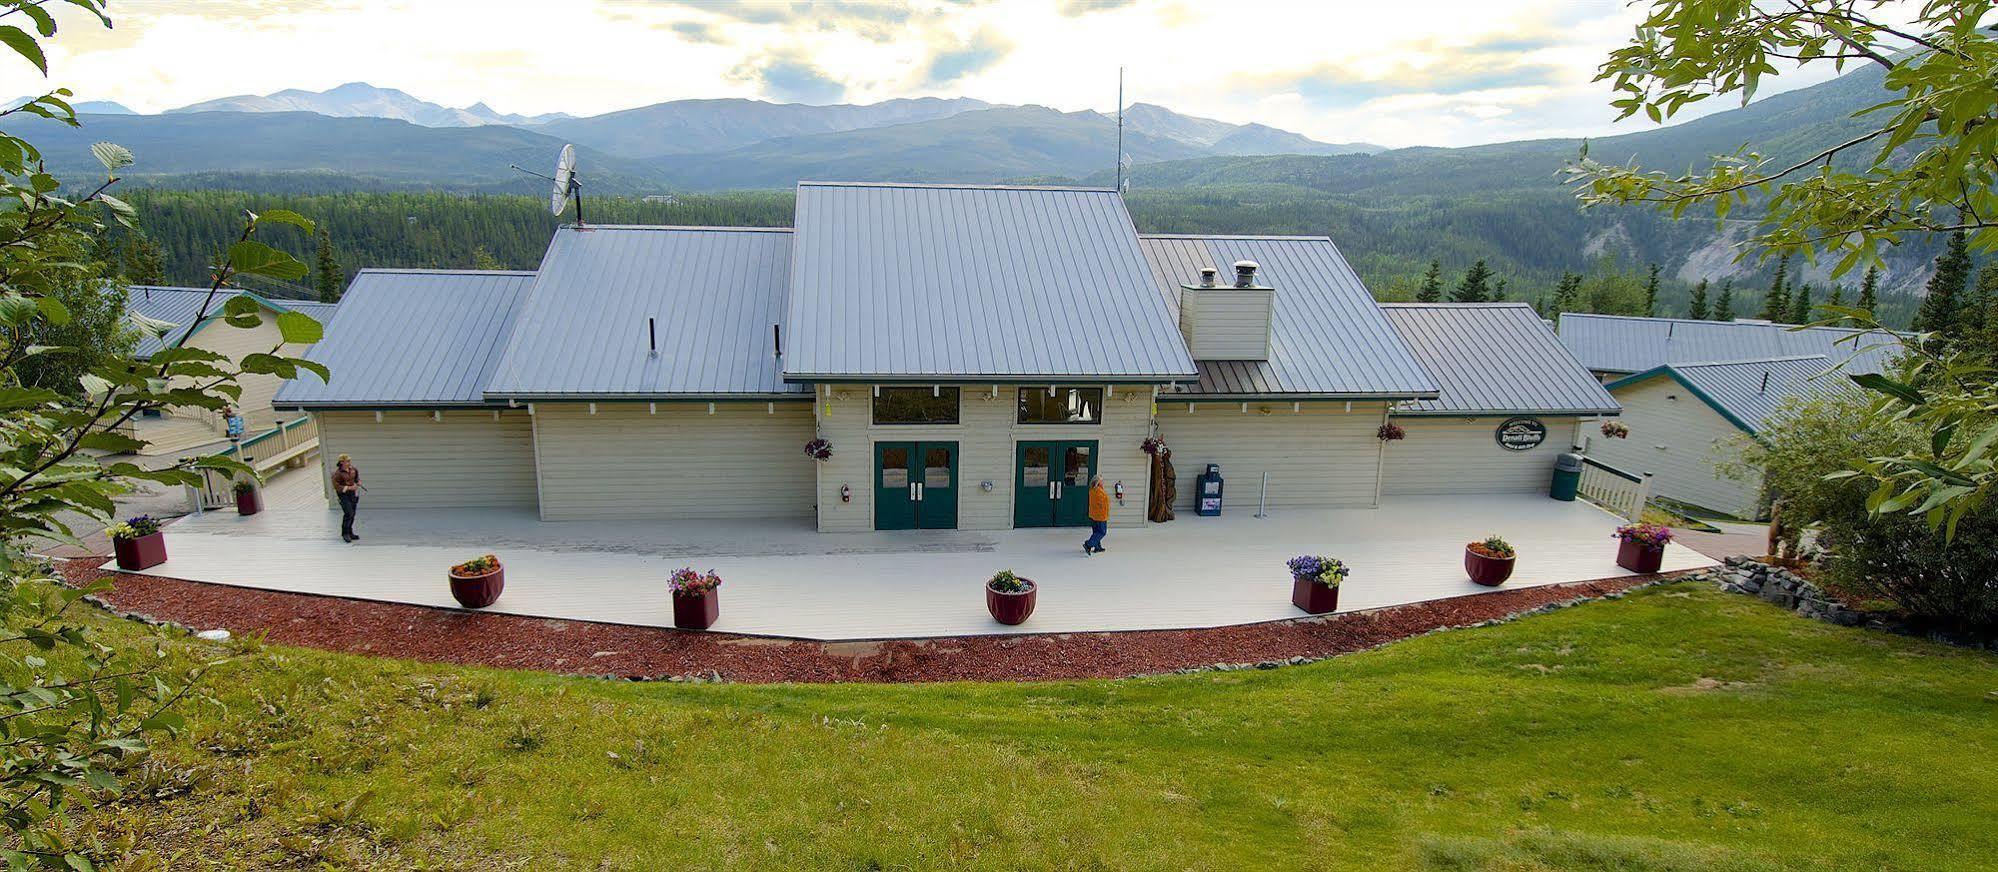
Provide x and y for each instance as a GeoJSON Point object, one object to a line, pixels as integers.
{"type": "Point", "coordinates": [1461, 456]}
{"type": "Point", "coordinates": [1319, 456]}
{"type": "Point", "coordinates": [987, 436]}
{"type": "Point", "coordinates": [258, 389]}
{"type": "Point", "coordinates": [408, 461]}
{"type": "Point", "coordinates": [1678, 438]}
{"type": "Point", "coordinates": [742, 461]}
{"type": "Point", "coordinates": [1227, 323]}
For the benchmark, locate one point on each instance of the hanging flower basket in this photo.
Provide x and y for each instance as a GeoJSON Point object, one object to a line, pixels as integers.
{"type": "Point", "coordinates": [1154, 446]}
{"type": "Point", "coordinates": [1390, 432]}
{"type": "Point", "coordinates": [819, 449]}
{"type": "Point", "coordinates": [1616, 430]}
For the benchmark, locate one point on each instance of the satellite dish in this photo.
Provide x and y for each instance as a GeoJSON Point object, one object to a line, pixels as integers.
{"type": "Point", "coordinates": [566, 186]}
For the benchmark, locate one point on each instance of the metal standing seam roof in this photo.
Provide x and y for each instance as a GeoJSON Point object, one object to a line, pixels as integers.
{"type": "Point", "coordinates": [1625, 343]}
{"type": "Point", "coordinates": [179, 306]}
{"type": "Point", "coordinates": [1328, 338]}
{"type": "Point", "coordinates": [714, 294]}
{"type": "Point", "coordinates": [1738, 390]}
{"type": "Point", "coordinates": [1495, 359]}
{"type": "Point", "coordinates": [974, 282]}
{"type": "Point", "coordinates": [402, 338]}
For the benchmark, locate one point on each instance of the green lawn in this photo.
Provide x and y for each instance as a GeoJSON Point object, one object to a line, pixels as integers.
{"type": "Point", "coordinates": [1678, 728]}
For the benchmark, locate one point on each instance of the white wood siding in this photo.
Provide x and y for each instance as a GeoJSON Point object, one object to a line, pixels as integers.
{"type": "Point", "coordinates": [408, 461]}
{"type": "Point", "coordinates": [986, 435]}
{"type": "Point", "coordinates": [238, 342]}
{"type": "Point", "coordinates": [1227, 323]}
{"type": "Point", "coordinates": [1319, 456]}
{"type": "Point", "coordinates": [1679, 439]}
{"type": "Point", "coordinates": [743, 461]}
{"type": "Point", "coordinates": [1460, 456]}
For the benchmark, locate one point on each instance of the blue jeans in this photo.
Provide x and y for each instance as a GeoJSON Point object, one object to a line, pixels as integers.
{"type": "Point", "coordinates": [1096, 531]}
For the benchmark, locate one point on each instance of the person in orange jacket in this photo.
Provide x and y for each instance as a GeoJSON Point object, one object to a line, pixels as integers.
{"type": "Point", "coordinates": [1099, 517]}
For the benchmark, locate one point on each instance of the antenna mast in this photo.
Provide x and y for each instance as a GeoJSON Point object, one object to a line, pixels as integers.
{"type": "Point", "coordinates": [1120, 130]}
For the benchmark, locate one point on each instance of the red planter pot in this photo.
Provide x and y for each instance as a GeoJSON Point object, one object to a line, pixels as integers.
{"type": "Point", "coordinates": [1488, 571]}
{"type": "Point", "coordinates": [696, 611]}
{"type": "Point", "coordinates": [249, 502]}
{"type": "Point", "coordinates": [140, 553]}
{"type": "Point", "coordinates": [478, 591]}
{"type": "Point", "coordinates": [1309, 595]}
{"type": "Point", "coordinates": [1639, 559]}
{"type": "Point", "coordinates": [1011, 608]}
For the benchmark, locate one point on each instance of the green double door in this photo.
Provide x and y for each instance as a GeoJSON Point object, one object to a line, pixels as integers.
{"type": "Point", "coordinates": [1051, 483]}
{"type": "Point", "coordinates": [915, 485]}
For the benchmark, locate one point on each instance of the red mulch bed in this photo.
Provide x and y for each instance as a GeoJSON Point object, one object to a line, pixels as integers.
{"type": "Point", "coordinates": [582, 647]}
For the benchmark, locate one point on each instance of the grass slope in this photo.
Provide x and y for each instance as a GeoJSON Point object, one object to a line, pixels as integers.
{"type": "Point", "coordinates": [1677, 729]}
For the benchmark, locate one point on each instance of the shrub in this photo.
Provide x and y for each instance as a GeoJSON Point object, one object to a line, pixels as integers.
{"type": "Point", "coordinates": [688, 581]}
{"type": "Point", "coordinates": [135, 528]}
{"type": "Point", "coordinates": [1324, 570]}
{"type": "Point", "coordinates": [245, 487]}
{"type": "Point", "coordinates": [1493, 546]}
{"type": "Point", "coordinates": [1894, 557]}
{"type": "Point", "coordinates": [1006, 582]}
{"type": "Point", "coordinates": [476, 566]}
{"type": "Point", "coordinates": [1647, 535]}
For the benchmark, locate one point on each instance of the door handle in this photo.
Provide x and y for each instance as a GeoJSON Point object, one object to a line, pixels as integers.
{"type": "Point", "coordinates": [916, 488]}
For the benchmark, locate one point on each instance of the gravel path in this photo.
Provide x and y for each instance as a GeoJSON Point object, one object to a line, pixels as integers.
{"type": "Point", "coordinates": [576, 647]}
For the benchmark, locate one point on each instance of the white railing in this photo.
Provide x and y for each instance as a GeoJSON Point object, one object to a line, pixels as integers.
{"type": "Point", "coordinates": [286, 443]}
{"type": "Point", "coordinates": [1624, 493]}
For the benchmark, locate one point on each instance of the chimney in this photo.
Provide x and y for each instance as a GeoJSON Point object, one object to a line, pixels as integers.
{"type": "Point", "coordinates": [1245, 273]}
{"type": "Point", "coordinates": [1227, 322]}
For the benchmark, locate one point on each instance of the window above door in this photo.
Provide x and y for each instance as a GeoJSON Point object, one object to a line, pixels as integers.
{"type": "Point", "coordinates": [1063, 406]}
{"type": "Point", "coordinates": [916, 406]}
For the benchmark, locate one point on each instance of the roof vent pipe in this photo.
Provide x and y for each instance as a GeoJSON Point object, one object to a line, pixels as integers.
{"type": "Point", "coordinates": [1245, 273]}
{"type": "Point", "coordinates": [1207, 274]}
{"type": "Point", "coordinates": [652, 337]}
{"type": "Point", "coordinates": [777, 339]}
{"type": "Point", "coordinates": [1765, 381]}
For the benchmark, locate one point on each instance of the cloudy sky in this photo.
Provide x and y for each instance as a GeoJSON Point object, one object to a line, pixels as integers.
{"type": "Point", "coordinates": [1413, 72]}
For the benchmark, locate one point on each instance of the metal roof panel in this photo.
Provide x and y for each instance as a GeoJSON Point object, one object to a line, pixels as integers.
{"type": "Point", "coordinates": [971, 282]}
{"type": "Point", "coordinates": [1624, 343]}
{"type": "Point", "coordinates": [412, 338]}
{"type": "Point", "coordinates": [1495, 358]}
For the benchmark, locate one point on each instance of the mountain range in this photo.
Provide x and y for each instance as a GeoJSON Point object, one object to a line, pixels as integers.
{"type": "Point", "coordinates": [1502, 202]}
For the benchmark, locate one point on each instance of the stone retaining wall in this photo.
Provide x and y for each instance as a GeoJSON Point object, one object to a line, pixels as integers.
{"type": "Point", "coordinates": [1796, 593]}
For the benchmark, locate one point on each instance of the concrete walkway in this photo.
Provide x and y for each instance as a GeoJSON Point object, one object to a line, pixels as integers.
{"type": "Point", "coordinates": [782, 578]}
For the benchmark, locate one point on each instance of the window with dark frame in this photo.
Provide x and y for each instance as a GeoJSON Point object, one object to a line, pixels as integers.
{"type": "Point", "coordinates": [916, 406]}
{"type": "Point", "coordinates": [1064, 406]}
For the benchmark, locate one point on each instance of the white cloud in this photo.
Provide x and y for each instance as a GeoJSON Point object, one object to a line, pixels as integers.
{"type": "Point", "coordinates": [1442, 72]}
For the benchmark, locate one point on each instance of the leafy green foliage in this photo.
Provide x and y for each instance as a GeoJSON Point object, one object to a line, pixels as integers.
{"type": "Point", "coordinates": [1892, 556]}
{"type": "Point", "coordinates": [75, 713]}
{"type": "Point", "coordinates": [1923, 161]}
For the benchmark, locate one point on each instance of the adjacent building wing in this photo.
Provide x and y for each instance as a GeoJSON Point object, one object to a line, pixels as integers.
{"type": "Point", "coordinates": [651, 312]}
{"type": "Point", "coordinates": [1328, 337]}
{"type": "Point", "coordinates": [411, 338]}
{"type": "Point", "coordinates": [977, 282]}
{"type": "Point", "coordinates": [1495, 359]}
{"type": "Point", "coordinates": [182, 307]}
{"type": "Point", "coordinates": [1750, 392]}
{"type": "Point", "coordinates": [1627, 344]}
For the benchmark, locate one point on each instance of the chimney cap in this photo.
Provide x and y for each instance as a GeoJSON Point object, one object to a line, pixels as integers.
{"type": "Point", "coordinates": [1245, 273]}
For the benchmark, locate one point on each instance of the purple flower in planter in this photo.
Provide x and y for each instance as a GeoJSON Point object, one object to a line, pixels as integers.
{"type": "Point", "coordinates": [1647, 535]}
{"type": "Point", "coordinates": [1324, 570]}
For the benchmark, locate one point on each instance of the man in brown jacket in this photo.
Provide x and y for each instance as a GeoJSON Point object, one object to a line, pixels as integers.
{"type": "Point", "coordinates": [347, 487]}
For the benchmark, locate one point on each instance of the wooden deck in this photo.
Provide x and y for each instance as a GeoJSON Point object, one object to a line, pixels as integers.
{"type": "Point", "coordinates": [785, 579]}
